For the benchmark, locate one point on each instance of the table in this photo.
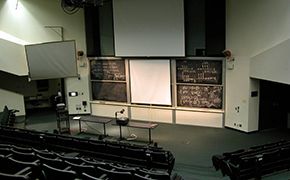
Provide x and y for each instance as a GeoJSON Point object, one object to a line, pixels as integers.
{"type": "Point", "coordinates": [140, 125]}
{"type": "Point", "coordinates": [93, 119]}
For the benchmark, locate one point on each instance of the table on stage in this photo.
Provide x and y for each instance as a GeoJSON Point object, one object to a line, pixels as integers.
{"type": "Point", "coordinates": [139, 125]}
{"type": "Point", "coordinates": [93, 119]}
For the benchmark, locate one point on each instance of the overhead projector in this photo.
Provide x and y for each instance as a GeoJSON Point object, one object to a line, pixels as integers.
{"type": "Point", "coordinates": [122, 121]}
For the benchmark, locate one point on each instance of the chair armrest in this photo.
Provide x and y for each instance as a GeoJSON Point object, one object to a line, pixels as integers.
{"type": "Point", "coordinates": [26, 171]}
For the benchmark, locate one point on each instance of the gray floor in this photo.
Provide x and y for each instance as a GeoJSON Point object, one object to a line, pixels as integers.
{"type": "Point", "coordinates": [192, 146]}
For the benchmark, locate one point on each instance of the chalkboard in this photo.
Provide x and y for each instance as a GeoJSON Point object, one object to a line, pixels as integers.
{"type": "Point", "coordinates": [200, 96]}
{"type": "Point", "coordinates": [109, 91]}
{"type": "Point", "coordinates": [199, 71]}
{"type": "Point", "coordinates": [108, 70]}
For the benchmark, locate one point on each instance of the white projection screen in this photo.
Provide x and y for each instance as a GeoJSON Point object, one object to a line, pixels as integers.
{"type": "Point", "coordinates": [51, 60]}
{"type": "Point", "coordinates": [150, 82]}
{"type": "Point", "coordinates": [149, 28]}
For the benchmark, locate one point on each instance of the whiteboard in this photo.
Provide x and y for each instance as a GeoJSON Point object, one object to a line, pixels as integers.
{"type": "Point", "coordinates": [149, 28]}
{"type": "Point", "coordinates": [51, 60]}
{"type": "Point", "coordinates": [150, 81]}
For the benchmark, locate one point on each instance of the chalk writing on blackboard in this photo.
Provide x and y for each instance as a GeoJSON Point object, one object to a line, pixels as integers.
{"type": "Point", "coordinates": [200, 96]}
{"type": "Point", "coordinates": [108, 91]}
{"type": "Point", "coordinates": [108, 70]}
{"type": "Point", "coordinates": [199, 71]}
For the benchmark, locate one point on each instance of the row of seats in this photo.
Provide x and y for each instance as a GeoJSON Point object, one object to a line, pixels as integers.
{"type": "Point", "coordinates": [145, 156]}
{"type": "Point", "coordinates": [255, 161]}
{"type": "Point", "coordinates": [31, 163]}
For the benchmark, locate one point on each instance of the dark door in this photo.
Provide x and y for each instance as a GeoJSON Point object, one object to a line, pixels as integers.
{"type": "Point", "coordinates": [274, 108]}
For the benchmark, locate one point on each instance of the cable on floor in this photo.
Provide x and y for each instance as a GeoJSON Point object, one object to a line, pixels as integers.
{"type": "Point", "coordinates": [132, 136]}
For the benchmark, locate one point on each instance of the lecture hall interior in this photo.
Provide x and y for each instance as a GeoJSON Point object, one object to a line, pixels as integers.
{"type": "Point", "coordinates": [145, 89]}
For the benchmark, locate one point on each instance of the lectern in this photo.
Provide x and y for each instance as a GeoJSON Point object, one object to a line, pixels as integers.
{"type": "Point", "coordinates": [62, 116]}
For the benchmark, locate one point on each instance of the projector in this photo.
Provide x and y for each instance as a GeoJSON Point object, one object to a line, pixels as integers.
{"type": "Point", "coordinates": [122, 121]}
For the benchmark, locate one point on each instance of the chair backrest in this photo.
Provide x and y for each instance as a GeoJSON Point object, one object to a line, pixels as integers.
{"type": "Point", "coordinates": [271, 157]}
{"type": "Point", "coordinates": [155, 174]}
{"type": "Point", "coordinates": [54, 173]}
{"type": "Point", "coordinates": [74, 160]}
{"type": "Point", "coordinates": [116, 175]}
{"type": "Point", "coordinates": [138, 153]}
{"type": "Point", "coordinates": [97, 163]}
{"type": "Point", "coordinates": [5, 151]}
{"type": "Point", "coordinates": [21, 156]}
{"type": "Point", "coordinates": [54, 162]}
{"type": "Point", "coordinates": [159, 157]}
{"type": "Point", "coordinates": [79, 169]}
{"type": "Point", "coordinates": [65, 141]}
{"type": "Point", "coordinates": [44, 153]}
{"type": "Point", "coordinates": [96, 147]}
{"type": "Point", "coordinates": [22, 149]}
{"type": "Point", "coordinates": [141, 177]}
{"type": "Point", "coordinates": [4, 145]}
{"type": "Point", "coordinates": [13, 177]}
{"type": "Point", "coordinates": [89, 177]}
{"type": "Point", "coordinates": [248, 162]}
{"type": "Point", "coordinates": [114, 149]}
{"type": "Point", "coordinates": [123, 168]}
{"type": "Point", "coordinates": [15, 166]}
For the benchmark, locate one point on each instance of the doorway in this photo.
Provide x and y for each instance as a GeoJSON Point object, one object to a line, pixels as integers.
{"type": "Point", "coordinates": [274, 108]}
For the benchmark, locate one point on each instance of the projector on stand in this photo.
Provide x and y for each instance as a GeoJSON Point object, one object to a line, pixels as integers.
{"type": "Point", "coordinates": [122, 121]}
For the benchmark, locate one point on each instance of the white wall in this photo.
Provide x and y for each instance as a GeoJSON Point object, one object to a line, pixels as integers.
{"type": "Point", "coordinates": [272, 64]}
{"type": "Point", "coordinates": [237, 94]}
{"type": "Point", "coordinates": [254, 102]}
{"type": "Point", "coordinates": [213, 118]}
{"type": "Point", "coordinates": [13, 58]}
{"type": "Point", "coordinates": [208, 119]}
{"type": "Point", "coordinates": [12, 101]}
{"type": "Point", "coordinates": [255, 26]}
{"type": "Point", "coordinates": [152, 114]}
{"type": "Point", "coordinates": [28, 22]}
{"type": "Point", "coordinates": [108, 110]}
{"type": "Point", "coordinates": [251, 28]}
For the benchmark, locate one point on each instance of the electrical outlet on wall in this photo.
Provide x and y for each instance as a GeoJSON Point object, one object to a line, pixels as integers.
{"type": "Point", "coordinates": [237, 109]}
{"type": "Point", "coordinates": [78, 107]}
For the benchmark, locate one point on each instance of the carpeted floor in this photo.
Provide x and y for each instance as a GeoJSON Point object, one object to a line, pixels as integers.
{"type": "Point", "coordinates": [192, 146]}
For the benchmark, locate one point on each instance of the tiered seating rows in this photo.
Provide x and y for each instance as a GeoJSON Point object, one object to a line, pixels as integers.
{"type": "Point", "coordinates": [141, 158]}
{"type": "Point", "coordinates": [254, 162]}
{"type": "Point", "coordinates": [29, 163]}
{"type": "Point", "coordinates": [145, 156]}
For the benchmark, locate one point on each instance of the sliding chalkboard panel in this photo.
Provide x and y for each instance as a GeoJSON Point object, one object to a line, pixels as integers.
{"type": "Point", "coordinates": [200, 96]}
{"type": "Point", "coordinates": [108, 70]}
{"type": "Point", "coordinates": [199, 71]}
{"type": "Point", "coordinates": [109, 91]}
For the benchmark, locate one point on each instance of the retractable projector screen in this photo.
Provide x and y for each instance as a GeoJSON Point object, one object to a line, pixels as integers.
{"type": "Point", "coordinates": [149, 28]}
{"type": "Point", "coordinates": [51, 60]}
{"type": "Point", "coordinates": [150, 82]}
